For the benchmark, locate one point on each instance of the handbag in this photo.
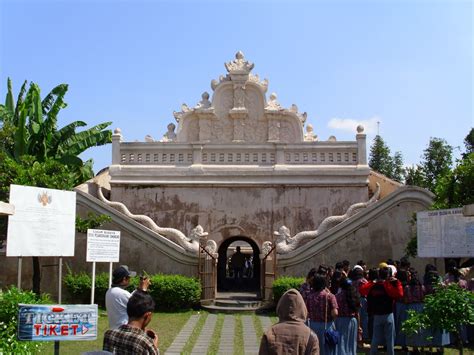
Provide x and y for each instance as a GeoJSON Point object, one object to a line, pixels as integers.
{"type": "Point", "coordinates": [331, 335]}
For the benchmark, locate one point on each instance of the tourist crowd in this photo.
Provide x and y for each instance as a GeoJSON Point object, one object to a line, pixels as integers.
{"type": "Point", "coordinates": [350, 307]}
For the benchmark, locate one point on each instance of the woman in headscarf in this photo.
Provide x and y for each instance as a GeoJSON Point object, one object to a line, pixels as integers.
{"type": "Point", "coordinates": [290, 335]}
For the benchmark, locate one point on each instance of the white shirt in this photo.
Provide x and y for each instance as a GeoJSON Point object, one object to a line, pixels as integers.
{"type": "Point", "coordinates": [116, 300]}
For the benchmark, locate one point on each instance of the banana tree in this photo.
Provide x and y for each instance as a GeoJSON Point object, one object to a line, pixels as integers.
{"type": "Point", "coordinates": [36, 133]}
{"type": "Point", "coordinates": [29, 130]}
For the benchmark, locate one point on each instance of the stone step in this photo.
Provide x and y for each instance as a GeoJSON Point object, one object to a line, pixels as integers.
{"type": "Point", "coordinates": [212, 308]}
{"type": "Point", "coordinates": [236, 303]}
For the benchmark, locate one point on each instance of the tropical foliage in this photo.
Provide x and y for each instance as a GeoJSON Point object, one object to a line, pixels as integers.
{"type": "Point", "coordinates": [9, 300]}
{"type": "Point", "coordinates": [449, 308]}
{"type": "Point", "coordinates": [33, 151]}
{"type": "Point", "coordinates": [30, 128]}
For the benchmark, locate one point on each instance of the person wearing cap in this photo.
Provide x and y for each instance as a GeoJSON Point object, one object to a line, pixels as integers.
{"type": "Point", "coordinates": [134, 337]}
{"type": "Point", "coordinates": [116, 297]}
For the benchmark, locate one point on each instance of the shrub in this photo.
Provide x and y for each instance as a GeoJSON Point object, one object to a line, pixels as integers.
{"type": "Point", "coordinates": [9, 301]}
{"type": "Point", "coordinates": [283, 284]}
{"type": "Point", "coordinates": [175, 292]}
{"type": "Point", "coordinates": [79, 287]}
{"type": "Point", "coordinates": [171, 292]}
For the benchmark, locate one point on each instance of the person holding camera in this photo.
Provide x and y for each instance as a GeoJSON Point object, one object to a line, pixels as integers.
{"type": "Point", "coordinates": [134, 337]}
{"type": "Point", "coordinates": [381, 296]}
{"type": "Point", "coordinates": [116, 297]}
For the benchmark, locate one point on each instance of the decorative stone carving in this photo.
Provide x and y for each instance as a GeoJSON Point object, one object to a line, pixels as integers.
{"type": "Point", "coordinates": [285, 243]}
{"type": "Point", "coordinates": [204, 103]}
{"type": "Point", "coordinates": [178, 115]}
{"type": "Point", "coordinates": [239, 97]}
{"type": "Point", "coordinates": [266, 248]}
{"type": "Point", "coordinates": [274, 131]}
{"type": "Point", "coordinates": [238, 112]}
{"type": "Point", "coordinates": [190, 243]}
{"type": "Point", "coordinates": [170, 136]}
{"type": "Point", "coordinates": [273, 104]}
{"type": "Point", "coordinates": [332, 139]}
{"type": "Point", "coordinates": [149, 139]}
{"type": "Point", "coordinates": [239, 65]}
{"type": "Point", "coordinates": [309, 135]}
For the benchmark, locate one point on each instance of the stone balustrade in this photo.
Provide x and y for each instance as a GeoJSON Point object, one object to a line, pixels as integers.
{"type": "Point", "coordinates": [311, 153]}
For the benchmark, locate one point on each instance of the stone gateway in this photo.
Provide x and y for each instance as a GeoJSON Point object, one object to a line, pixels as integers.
{"type": "Point", "coordinates": [241, 169]}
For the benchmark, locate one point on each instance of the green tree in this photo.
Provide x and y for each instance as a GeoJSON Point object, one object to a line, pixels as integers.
{"type": "Point", "coordinates": [398, 172]}
{"type": "Point", "coordinates": [449, 308]}
{"type": "Point", "coordinates": [35, 152]}
{"type": "Point", "coordinates": [380, 159]}
{"type": "Point", "coordinates": [455, 189]}
{"type": "Point", "coordinates": [436, 163]}
{"type": "Point", "coordinates": [469, 143]}
{"type": "Point", "coordinates": [414, 176]}
{"type": "Point", "coordinates": [32, 123]}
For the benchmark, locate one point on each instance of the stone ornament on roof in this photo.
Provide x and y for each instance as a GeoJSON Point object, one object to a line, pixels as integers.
{"type": "Point", "coordinates": [239, 65]}
{"type": "Point", "coordinates": [239, 112]}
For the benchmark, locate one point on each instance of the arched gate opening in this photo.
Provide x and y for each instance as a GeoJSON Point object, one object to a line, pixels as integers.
{"type": "Point", "coordinates": [230, 281]}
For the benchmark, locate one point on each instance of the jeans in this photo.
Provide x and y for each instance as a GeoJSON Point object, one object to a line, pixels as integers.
{"type": "Point", "coordinates": [383, 333]}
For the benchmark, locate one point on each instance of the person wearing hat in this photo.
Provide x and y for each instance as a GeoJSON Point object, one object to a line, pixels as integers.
{"type": "Point", "coordinates": [116, 297]}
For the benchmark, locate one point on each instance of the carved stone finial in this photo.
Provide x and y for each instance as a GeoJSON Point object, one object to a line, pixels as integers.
{"type": "Point", "coordinates": [170, 135]}
{"type": "Point", "coordinates": [309, 135]}
{"type": "Point", "coordinates": [149, 139]}
{"type": "Point", "coordinates": [332, 139]}
{"type": "Point", "coordinates": [204, 103]}
{"type": "Point", "coordinates": [273, 103]}
{"type": "Point", "coordinates": [117, 131]}
{"type": "Point", "coordinates": [360, 129]}
{"type": "Point", "coordinates": [239, 65]}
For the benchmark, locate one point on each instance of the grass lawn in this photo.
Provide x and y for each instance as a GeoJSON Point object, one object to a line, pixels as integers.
{"type": "Point", "coordinates": [167, 325]}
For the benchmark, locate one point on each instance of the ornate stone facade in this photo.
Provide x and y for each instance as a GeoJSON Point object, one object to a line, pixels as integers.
{"type": "Point", "coordinates": [239, 165]}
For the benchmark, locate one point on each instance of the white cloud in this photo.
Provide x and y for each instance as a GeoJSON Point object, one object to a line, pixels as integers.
{"type": "Point", "coordinates": [350, 124]}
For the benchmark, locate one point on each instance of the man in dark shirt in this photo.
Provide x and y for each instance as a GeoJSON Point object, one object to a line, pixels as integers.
{"type": "Point", "coordinates": [380, 297]}
{"type": "Point", "coordinates": [238, 263]}
{"type": "Point", "coordinates": [134, 338]}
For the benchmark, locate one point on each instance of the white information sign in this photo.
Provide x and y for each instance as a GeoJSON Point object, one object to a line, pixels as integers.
{"type": "Point", "coordinates": [103, 245]}
{"type": "Point", "coordinates": [445, 233]}
{"type": "Point", "coordinates": [43, 223]}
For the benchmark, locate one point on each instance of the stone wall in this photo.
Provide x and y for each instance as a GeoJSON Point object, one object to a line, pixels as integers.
{"type": "Point", "coordinates": [253, 212]}
{"type": "Point", "coordinates": [383, 236]}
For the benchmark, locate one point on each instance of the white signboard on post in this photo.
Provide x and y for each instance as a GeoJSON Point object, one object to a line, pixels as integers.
{"type": "Point", "coordinates": [103, 245]}
{"type": "Point", "coordinates": [43, 223]}
{"type": "Point", "coordinates": [445, 233]}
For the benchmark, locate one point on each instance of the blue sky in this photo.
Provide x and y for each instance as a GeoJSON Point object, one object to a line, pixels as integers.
{"type": "Point", "coordinates": [407, 64]}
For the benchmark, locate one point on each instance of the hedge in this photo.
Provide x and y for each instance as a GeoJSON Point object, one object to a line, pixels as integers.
{"type": "Point", "coordinates": [283, 284]}
{"type": "Point", "coordinates": [170, 292]}
{"type": "Point", "coordinates": [9, 300]}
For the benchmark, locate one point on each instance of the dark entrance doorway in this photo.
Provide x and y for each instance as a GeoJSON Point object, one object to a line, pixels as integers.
{"type": "Point", "coordinates": [227, 279]}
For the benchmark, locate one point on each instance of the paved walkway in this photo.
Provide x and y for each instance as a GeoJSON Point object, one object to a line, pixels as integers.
{"type": "Point", "coordinates": [251, 341]}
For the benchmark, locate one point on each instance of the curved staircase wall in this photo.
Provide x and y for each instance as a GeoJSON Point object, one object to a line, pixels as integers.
{"type": "Point", "coordinates": [375, 234]}
{"type": "Point", "coordinates": [140, 248]}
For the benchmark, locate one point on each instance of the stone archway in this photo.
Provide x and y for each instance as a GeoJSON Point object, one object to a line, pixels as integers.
{"type": "Point", "coordinates": [225, 280]}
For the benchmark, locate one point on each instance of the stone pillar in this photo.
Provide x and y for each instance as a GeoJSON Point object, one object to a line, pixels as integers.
{"type": "Point", "coordinates": [361, 146]}
{"type": "Point", "coordinates": [280, 155]}
{"type": "Point", "coordinates": [197, 154]}
{"type": "Point", "coordinates": [116, 140]}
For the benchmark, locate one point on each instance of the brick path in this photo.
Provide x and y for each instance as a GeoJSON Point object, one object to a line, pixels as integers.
{"type": "Point", "coordinates": [227, 336]}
